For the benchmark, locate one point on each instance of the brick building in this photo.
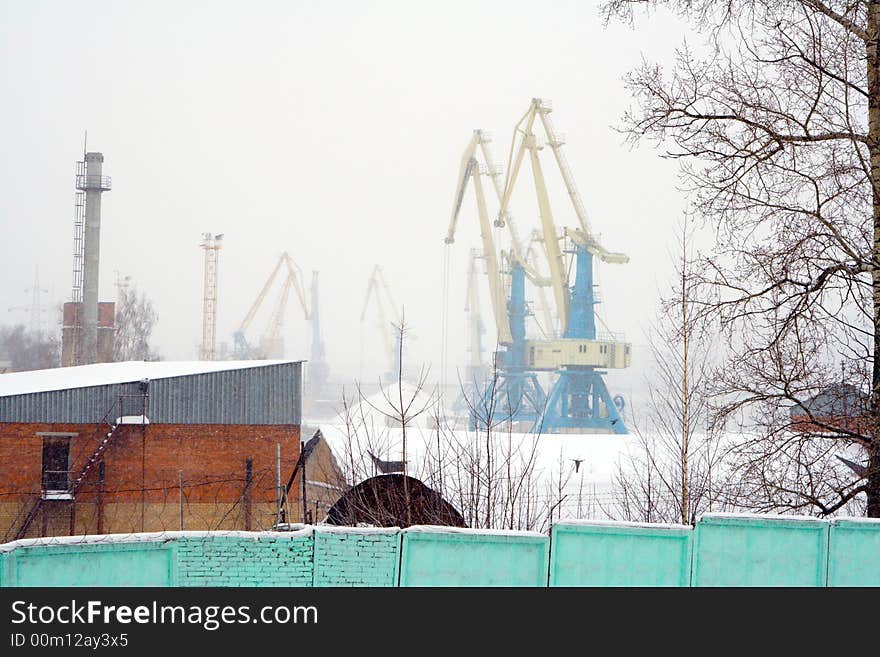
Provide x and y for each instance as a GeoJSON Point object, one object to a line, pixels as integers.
{"type": "Point", "coordinates": [147, 446]}
{"type": "Point", "coordinates": [842, 406]}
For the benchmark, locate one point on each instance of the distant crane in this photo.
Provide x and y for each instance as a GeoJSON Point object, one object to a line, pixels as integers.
{"type": "Point", "coordinates": [388, 321]}
{"type": "Point", "coordinates": [271, 343]}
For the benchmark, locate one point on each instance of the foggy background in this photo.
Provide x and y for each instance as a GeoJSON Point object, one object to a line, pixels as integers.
{"type": "Point", "coordinates": [333, 131]}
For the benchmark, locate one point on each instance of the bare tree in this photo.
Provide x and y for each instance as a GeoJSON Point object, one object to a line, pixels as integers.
{"type": "Point", "coordinates": [777, 128]}
{"type": "Point", "coordinates": [668, 475]}
{"type": "Point", "coordinates": [26, 350]}
{"type": "Point", "coordinates": [135, 320]}
{"type": "Point", "coordinates": [488, 474]}
{"type": "Point", "coordinates": [497, 464]}
{"type": "Point", "coordinates": [402, 407]}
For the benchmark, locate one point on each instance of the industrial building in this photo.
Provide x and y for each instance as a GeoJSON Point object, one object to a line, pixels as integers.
{"type": "Point", "coordinates": [837, 407]}
{"type": "Point", "coordinates": [149, 446]}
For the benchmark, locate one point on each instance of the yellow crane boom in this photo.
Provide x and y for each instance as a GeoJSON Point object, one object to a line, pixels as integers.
{"type": "Point", "coordinates": [530, 142]}
{"type": "Point", "coordinates": [271, 345]}
{"type": "Point", "coordinates": [470, 170]}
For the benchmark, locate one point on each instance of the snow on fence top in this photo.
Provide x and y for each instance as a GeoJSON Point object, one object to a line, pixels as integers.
{"type": "Point", "coordinates": [854, 519]}
{"type": "Point", "coordinates": [444, 529]}
{"type": "Point", "coordinates": [150, 537]}
{"type": "Point", "coordinates": [757, 516]}
{"type": "Point", "coordinates": [341, 529]}
{"type": "Point", "coordinates": [620, 523]}
{"type": "Point", "coordinates": [99, 374]}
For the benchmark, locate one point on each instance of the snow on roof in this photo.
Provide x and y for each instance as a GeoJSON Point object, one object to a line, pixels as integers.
{"type": "Point", "coordinates": [99, 374]}
{"type": "Point", "coordinates": [132, 419]}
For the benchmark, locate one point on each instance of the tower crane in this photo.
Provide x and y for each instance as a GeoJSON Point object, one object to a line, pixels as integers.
{"type": "Point", "coordinates": [579, 397]}
{"type": "Point", "coordinates": [377, 288]}
{"type": "Point", "coordinates": [272, 342]}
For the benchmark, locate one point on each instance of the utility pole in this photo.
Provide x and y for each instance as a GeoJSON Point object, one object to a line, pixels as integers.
{"type": "Point", "coordinates": [279, 497]}
{"type": "Point", "coordinates": [180, 494]}
{"type": "Point", "coordinates": [36, 309]}
{"type": "Point", "coordinates": [305, 505]}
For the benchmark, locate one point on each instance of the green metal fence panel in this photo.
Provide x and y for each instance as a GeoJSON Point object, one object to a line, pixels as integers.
{"type": "Point", "coordinates": [444, 556]}
{"type": "Point", "coordinates": [760, 550]}
{"type": "Point", "coordinates": [620, 554]}
{"type": "Point", "coordinates": [854, 552]}
{"type": "Point", "coordinates": [92, 564]}
{"type": "Point", "coordinates": [352, 556]}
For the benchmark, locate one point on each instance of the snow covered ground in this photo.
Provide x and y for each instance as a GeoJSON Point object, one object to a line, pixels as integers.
{"type": "Point", "coordinates": [523, 476]}
{"type": "Point", "coordinates": [582, 464]}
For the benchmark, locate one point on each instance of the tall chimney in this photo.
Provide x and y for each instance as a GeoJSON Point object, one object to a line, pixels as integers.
{"type": "Point", "coordinates": [90, 179]}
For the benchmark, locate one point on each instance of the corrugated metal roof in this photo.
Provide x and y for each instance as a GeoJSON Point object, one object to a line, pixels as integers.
{"type": "Point", "coordinates": [218, 392]}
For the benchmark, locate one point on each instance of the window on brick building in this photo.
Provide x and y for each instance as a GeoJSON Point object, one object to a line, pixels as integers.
{"type": "Point", "coordinates": [56, 463]}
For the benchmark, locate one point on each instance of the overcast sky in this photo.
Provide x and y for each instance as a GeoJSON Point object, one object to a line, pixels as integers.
{"type": "Point", "coordinates": [330, 130]}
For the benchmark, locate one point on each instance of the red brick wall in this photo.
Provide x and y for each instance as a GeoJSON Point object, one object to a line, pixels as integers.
{"type": "Point", "coordinates": [72, 314]}
{"type": "Point", "coordinates": [71, 332]}
{"type": "Point", "coordinates": [825, 425]}
{"type": "Point", "coordinates": [143, 471]}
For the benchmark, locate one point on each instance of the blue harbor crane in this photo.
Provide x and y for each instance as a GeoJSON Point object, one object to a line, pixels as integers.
{"type": "Point", "coordinates": [579, 398]}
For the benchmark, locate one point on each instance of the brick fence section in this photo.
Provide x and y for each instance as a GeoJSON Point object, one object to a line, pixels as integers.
{"type": "Point", "coordinates": [263, 559]}
{"type": "Point", "coordinates": [352, 556]}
